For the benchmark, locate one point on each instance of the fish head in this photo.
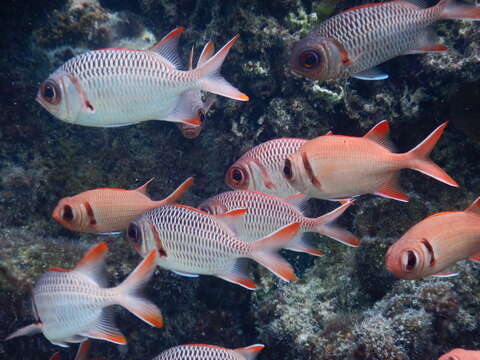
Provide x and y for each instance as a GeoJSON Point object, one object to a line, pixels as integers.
{"type": "Point", "coordinates": [295, 173]}
{"type": "Point", "coordinates": [199, 110]}
{"type": "Point", "coordinates": [239, 175]}
{"type": "Point", "coordinates": [459, 354]}
{"type": "Point", "coordinates": [135, 237]}
{"type": "Point", "coordinates": [71, 214]}
{"type": "Point", "coordinates": [213, 206]}
{"type": "Point", "coordinates": [313, 58]}
{"type": "Point", "coordinates": [409, 258]}
{"type": "Point", "coordinates": [59, 95]}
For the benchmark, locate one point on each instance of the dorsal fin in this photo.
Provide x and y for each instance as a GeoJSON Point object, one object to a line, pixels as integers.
{"type": "Point", "coordinates": [206, 54]}
{"type": "Point", "coordinates": [167, 47]}
{"type": "Point", "coordinates": [177, 193]}
{"type": "Point", "coordinates": [379, 133]}
{"type": "Point", "coordinates": [92, 263]}
{"type": "Point", "coordinates": [474, 207]}
{"type": "Point", "coordinates": [143, 189]}
{"type": "Point", "coordinates": [232, 219]}
{"type": "Point", "coordinates": [250, 352]}
{"type": "Point", "coordinates": [330, 132]}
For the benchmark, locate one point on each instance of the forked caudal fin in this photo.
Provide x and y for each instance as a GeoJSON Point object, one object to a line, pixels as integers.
{"type": "Point", "coordinates": [325, 225]}
{"type": "Point", "coordinates": [264, 251]}
{"type": "Point", "coordinates": [451, 9]}
{"type": "Point", "coordinates": [419, 160]}
{"type": "Point", "coordinates": [212, 81]}
{"type": "Point", "coordinates": [128, 292]}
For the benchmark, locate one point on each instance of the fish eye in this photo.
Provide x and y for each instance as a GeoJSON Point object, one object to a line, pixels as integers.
{"type": "Point", "coordinates": [237, 177]}
{"type": "Point", "coordinates": [409, 261]}
{"type": "Point", "coordinates": [287, 169]}
{"type": "Point", "coordinates": [309, 59]}
{"type": "Point", "coordinates": [50, 92]}
{"type": "Point", "coordinates": [67, 213]}
{"type": "Point", "coordinates": [133, 233]}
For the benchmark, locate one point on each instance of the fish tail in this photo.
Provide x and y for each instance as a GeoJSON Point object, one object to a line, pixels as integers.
{"type": "Point", "coordinates": [419, 158]}
{"type": "Point", "coordinates": [325, 225]}
{"type": "Point", "coordinates": [212, 81]}
{"type": "Point", "coordinates": [264, 251]}
{"type": "Point", "coordinates": [130, 296]}
{"type": "Point", "coordinates": [451, 9]}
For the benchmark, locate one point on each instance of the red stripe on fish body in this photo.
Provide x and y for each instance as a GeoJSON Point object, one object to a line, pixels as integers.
{"type": "Point", "coordinates": [261, 168]}
{"type": "Point", "coordinates": [368, 36]}
{"type": "Point", "coordinates": [434, 244]}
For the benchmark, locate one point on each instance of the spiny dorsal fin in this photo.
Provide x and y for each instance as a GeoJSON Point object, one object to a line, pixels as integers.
{"type": "Point", "coordinates": [167, 47]}
{"type": "Point", "coordinates": [232, 219]}
{"type": "Point", "coordinates": [143, 189]}
{"type": "Point", "coordinates": [474, 207]}
{"type": "Point", "coordinates": [206, 54]}
{"type": "Point", "coordinates": [250, 352]}
{"type": "Point", "coordinates": [379, 134]}
{"type": "Point", "coordinates": [92, 263]}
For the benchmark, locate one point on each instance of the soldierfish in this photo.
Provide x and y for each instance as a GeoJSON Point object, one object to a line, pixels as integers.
{"type": "Point", "coordinates": [117, 87]}
{"type": "Point", "coordinates": [109, 210]}
{"type": "Point", "coordinates": [436, 243]}
{"type": "Point", "coordinates": [210, 352]}
{"type": "Point", "coordinates": [337, 167]}
{"type": "Point", "coordinates": [73, 305]}
{"type": "Point", "coordinates": [192, 242]}
{"type": "Point", "coordinates": [353, 42]}
{"type": "Point", "coordinates": [261, 168]}
{"type": "Point", "coordinates": [266, 213]}
{"type": "Point", "coordinates": [198, 109]}
{"type": "Point", "coordinates": [461, 354]}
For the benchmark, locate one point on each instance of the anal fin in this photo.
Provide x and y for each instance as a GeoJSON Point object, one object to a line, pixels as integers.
{"type": "Point", "coordinates": [105, 329]}
{"type": "Point", "coordinates": [391, 189]}
{"type": "Point", "coordinates": [371, 74]}
{"type": "Point", "coordinates": [238, 275]}
{"type": "Point", "coordinates": [185, 274]}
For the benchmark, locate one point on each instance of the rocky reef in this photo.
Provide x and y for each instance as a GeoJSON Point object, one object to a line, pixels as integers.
{"type": "Point", "coordinates": [345, 306]}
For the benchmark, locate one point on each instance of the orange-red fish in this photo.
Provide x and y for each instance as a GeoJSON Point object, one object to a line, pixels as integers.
{"type": "Point", "coordinates": [436, 243]}
{"type": "Point", "coordinates": [337, 167]}
{"type": "Point", "coordinates": [109, 210]}
{"type": "Point", "coordinates": [210, 352]}
{"type": "Point", "coordinates": [353, 42]}
{"type": "Point", "coordinates": [73, 305]}
{"type": "Point", "coordinates": [461, 354]}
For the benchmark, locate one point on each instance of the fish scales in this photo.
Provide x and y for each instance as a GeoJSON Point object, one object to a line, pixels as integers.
{"type": "Point", "coordinates": [196, 352]}
{"type": "Point", "coordinates": [374, 34]}
{"type": "Point", "coordinates": [128, 83]}
{"type": "Point", "coordinates": [198, 242]}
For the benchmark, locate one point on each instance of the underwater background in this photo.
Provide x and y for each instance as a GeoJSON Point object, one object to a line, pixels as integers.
{"type": "Point", "coordinates": [346, 305]}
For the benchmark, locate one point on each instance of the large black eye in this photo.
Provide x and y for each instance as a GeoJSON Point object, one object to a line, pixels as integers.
{"type": "Point", "coordinates": [133, 233]}
{"type": "Point", "coordinates": [50, 92]}
{"type": "Point", "coordinates": [287, 169]}
{"type": "Point", "coordinates": [67, 213]}
{"type": "Point", "coordinates": [411, 261]}
{"type": "Point", "coordinates": [309, 59]}
{"type": "Point", "coordinates": [237, 175]}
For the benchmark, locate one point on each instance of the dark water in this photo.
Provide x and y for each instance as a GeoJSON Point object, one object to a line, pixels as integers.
{"type": "Point", "coordinates": [346, 305]}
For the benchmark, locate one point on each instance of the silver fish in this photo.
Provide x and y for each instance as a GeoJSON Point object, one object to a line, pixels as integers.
{"type": "Point", "coordinates": [72, 305]}
{"type": "Point", "coordinates": [116, 87]}
{"type": "Point", "coordinates": [266, 213]}
{"type": "Point", "coordinates": [192, 242]}
{"type": "Point", "coordinates": [353, 42]}
{"type": "Point", "coordinates": [210, 352]}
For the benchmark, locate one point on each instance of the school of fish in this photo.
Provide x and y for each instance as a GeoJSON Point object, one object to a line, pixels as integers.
{"type": "Point", "coordinates": [271, 182]}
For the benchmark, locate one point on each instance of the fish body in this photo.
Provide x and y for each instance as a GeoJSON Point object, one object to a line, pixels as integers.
{"type": "Point", "coordinates": [436, 243]}
{"type": "Point", "coordinates": [266, 213]}
{"type": "Point", "coordinates": [72, 305]}
{"type": "Point", "coordinates": [210, 352]}
{"type": "Point", "coordinates": [461, 354]}
{"type": "Point", "coordinates": [336, 167]}
{"type": "Point", "coordinates": [354, 41]}
{"type": "Point", "coordinates": [109, 210]}
{"type": "Point", "coordinates": [117, 87]}
{"type": "Point", "coordinates": [261, 168]}
{"type": "Point", "coordinates": [192, 242]}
